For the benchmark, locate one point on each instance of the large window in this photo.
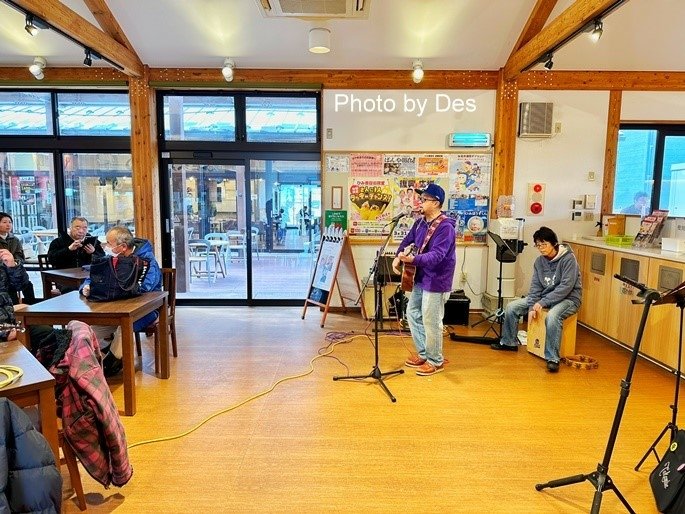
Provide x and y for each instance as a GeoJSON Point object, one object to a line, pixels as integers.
{"type": "Point", "coordinates": [650, 170]}
{"type": "Point", "coordinates": [199, 118]}
{"type": "Point", "coordinates": [94, 114]}
{"type": "Point", "coordinates": [25, 114]}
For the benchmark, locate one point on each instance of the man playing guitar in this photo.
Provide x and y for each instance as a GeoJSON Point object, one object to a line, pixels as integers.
{"type": "Point", "coordinates": [435, 260]}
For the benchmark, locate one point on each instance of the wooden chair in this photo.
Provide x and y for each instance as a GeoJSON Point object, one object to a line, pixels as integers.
{"type": "Point", "coordinates": [69, 459]}
{"type": "Point", "coordinates": [43, 264]}
{"type": "Point", "coordinates": [168, 285]}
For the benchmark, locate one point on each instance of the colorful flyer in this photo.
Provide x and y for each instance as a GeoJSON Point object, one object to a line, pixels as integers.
{"type": "Point", "coordinates": [366, 165]}
{"type": "Point", "coordinates": [370, 205]}
{"type": "Point", "coordinates": [399, 165]}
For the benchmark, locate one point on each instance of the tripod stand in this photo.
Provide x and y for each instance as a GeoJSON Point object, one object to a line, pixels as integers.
{"type": "Point", "coordinates": [600, 479]}
{"type": "Point", "coordinates": [507, 251]}
{"type": "Point", "coordinates": [677, 296]}
{"type": "Point", "coordinates": [376, 373]}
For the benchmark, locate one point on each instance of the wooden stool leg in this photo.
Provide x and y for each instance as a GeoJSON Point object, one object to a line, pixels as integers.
{"type": "Point", "coordinates": [74, 474]}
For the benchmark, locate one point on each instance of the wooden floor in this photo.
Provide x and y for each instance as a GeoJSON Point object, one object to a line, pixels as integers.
{"type": "Point", "coordinates": [475, 438]}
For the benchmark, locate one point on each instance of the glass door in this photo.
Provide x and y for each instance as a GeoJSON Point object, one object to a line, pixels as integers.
{"type": "Point", "coordinates": [209, 230]}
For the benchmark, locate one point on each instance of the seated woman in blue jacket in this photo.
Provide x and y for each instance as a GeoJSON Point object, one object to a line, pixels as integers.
{"type": "Point", "coordinates": [120, 241]}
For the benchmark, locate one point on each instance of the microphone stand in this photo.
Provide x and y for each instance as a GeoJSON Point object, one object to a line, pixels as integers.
{"type": "Point", "coordinates": [600, 478]}
{"type": "Point", "coordinates": [376, 372]}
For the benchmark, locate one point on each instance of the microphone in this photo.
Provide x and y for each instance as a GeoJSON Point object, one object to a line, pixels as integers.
{"type": "Point", "coordinates": [631, 282]}
{"type": "Point", "coordinates": [406, 212]}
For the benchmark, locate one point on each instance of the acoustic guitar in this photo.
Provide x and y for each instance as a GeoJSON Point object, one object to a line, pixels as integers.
{"type": "Point", "coordinates": [408, 270]}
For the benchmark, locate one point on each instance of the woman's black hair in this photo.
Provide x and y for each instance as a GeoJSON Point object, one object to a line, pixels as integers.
{"type": "Point", "coordinates": [545, 234]}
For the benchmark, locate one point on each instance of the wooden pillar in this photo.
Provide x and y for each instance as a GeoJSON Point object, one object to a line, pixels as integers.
{"type": "Point", "coordinates": [613, 124]}
{"type": "Point", "coordinates": [505, 140]}
{"type": "Point", "coordinates": [145, 161]}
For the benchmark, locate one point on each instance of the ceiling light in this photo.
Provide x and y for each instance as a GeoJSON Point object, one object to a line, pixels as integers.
{"type": "Point", "coordinates": [34, 24]}
{"type": "Point", "coordinates": [227, 70]}
{"type": "Point", "coordinates": [319, 41]}
{"type": "Point", "coordinates": [549, 64]}
{"type": "Point", "coordinates": [597, 30]}
{"type": "Point", "coordinates": [37, 67]}
{"type": "Point", "coordinates": [88, 61]}
{"type": "Point", "coordinates": [417, 74]}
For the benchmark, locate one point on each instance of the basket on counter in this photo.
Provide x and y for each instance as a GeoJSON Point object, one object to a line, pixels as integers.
{"type": "Point", "coordinates": [619, 240]}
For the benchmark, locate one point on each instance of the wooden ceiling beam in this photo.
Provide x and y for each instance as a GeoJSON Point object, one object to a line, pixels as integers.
{"type": "Point", "coordinates": [536, 21]}
{"type": "Point", "coordinates": [61, 17]}
{"type": "Point", "coordinates": [559, 31]}
{"type": "Point", "coordinates": [108, 22]}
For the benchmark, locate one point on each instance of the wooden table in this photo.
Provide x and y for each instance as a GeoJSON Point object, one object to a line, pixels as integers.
{"type": "Point", "coordinates": [36, 386]}
{"type": "Point", "coordinates": [60, 310]}
{"type": "Point", "coordinates": [69, 277]}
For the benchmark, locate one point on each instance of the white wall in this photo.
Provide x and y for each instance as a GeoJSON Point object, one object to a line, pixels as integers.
{"type": "Point", "coordinates": [562, 163]}
{"type": "Point", "coordinates": [378, 127]}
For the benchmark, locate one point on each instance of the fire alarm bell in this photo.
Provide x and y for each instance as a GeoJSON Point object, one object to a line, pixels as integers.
{"type": "Point", "coordinates": [535, 199]}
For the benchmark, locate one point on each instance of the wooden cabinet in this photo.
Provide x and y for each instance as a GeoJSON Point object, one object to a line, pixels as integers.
{"type": "Point", "coordinates": [597, 277]}
{"type": "Point", "coordinates": [662, 330]}
{"type": "Point", "coordinates": [623, 315]}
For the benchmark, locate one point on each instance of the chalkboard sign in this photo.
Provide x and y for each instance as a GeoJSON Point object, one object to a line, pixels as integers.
{"type": "Point", "coordinates": [334, 267]}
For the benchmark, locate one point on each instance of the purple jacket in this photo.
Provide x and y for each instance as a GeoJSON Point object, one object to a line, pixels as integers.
{"type": "Point", "coordinates": [435, 265]}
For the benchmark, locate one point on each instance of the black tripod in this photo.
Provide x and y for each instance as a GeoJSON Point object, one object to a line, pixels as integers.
{"type": "Point", "coordinates": [376, 373]}
{"type": "Point", "coordinates": [507, 251]}
{"type": "Point", "coordinates": [600, 479]}
{"type": "Point", "coordinates": [676, 296]}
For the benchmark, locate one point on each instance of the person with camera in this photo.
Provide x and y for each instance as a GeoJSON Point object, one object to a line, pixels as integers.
{"type": "Point", "coordinates": [75, 248]}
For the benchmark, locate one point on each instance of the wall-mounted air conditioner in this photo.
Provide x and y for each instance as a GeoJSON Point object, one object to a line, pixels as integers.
{"type": "Point", "coordinates": [535, 119]}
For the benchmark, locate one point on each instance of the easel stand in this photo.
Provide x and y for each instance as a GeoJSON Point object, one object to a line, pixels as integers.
{"type": "Point", "coordinates": [600, 478]}
{"type": "Point", "coordinates": [677, 294]}
{"type": "Point", "coordinates": [506, 252]}
{"type": "Point", "coordinates": [376, 372]}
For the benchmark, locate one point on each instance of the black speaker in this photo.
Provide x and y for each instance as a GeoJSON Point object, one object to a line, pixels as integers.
{"type": "Point", "coordinates": [457, 309]}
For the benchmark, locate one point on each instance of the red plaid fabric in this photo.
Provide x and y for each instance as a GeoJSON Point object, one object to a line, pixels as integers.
{"type": "Point", "coordinates": [90, 418]}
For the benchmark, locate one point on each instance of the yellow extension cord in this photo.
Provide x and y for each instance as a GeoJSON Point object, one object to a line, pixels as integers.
{"type": "Point", "coordinates": [330, 347]}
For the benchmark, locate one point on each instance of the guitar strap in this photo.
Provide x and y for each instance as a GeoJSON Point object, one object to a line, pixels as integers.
{"type": "Point", "coordinates": [434, 224]}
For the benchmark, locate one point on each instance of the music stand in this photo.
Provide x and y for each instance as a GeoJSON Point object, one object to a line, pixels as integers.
{"type": "Point", "coordinates": [600, 478]}
{"type": "Point", "coordinates": [677, 296]}
{"type": "Point", "coordinates": [506, 252]}
{"type": "Point", "coordinates": [376, 271]}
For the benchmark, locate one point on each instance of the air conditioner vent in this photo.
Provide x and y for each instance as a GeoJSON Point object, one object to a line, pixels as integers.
{"type": "Point", "coordinates": [354, 9]}
{"type": "Point", "coordinates": [535, 119]}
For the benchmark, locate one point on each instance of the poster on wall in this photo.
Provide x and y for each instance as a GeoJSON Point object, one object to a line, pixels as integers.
{"type": "Point", "coordinates": [407, 199]}
{"type": "Point", "coordinates": [471, 173]}
{"type": "Point", "coordinates": [370, 199]}
{"type": "Point", "coordinates": [335, 219]}
{"type": "Point", "coordinates": [433, 164]}
{"type": "Point", "coordinates": [338, 163]}
{"type": "Point", "coordinates": [471, 215]}
{"type": "Point", "coordinates": [366, 165]}
{"type": "Point", "coordinates": [399, 165]}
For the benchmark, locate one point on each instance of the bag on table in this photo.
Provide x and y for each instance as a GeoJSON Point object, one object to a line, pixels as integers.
{"type": "Point", "coordinates": [108, 282]}
{"type": "Point", "coordinates": [668, 478]}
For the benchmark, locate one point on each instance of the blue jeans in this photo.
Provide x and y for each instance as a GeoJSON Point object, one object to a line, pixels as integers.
{"type": "Point", "coordinates": [425, 311]}
{"type": "Point", "coordinates": [553, 324]}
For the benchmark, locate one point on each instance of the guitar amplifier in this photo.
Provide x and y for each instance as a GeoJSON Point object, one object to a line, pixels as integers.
{"type": "Point", "coordinates": [457, 309]}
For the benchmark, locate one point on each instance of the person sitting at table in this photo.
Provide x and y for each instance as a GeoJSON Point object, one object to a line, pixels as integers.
{"type": "Point", "coordinates": [11, 243]}
{"type": "Point", "coordinates": [74, 249]}
{"type": "Point", "coordinates": [120, 241]}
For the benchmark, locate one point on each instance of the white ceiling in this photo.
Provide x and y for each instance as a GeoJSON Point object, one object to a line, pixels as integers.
{"type": "Point", "coordinates": [446, 34]}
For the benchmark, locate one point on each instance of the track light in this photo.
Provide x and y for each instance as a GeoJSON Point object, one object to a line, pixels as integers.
{"type": "Point", "coordinates": [547, 59]}
{"type": "Point", "coordinates": [417, 74]}
{"type": "Point", "coordinates": [227, 70]}
{"type": "Point", "coordinates": [319, 41]}
{"type": "Point", "coordinates": [597, 31]}
{"type": "Point", "coordinates": [88, 61]}
{"type": "Point", "coordinates": [36, 69]}
{"type": "Point", "coordinates": [34, 24]}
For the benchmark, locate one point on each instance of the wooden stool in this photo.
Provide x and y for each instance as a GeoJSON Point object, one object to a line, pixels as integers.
{"type": "Point", "coordinates": [72, 465]}
{"type": "Point", "coordinates": [537, 333]}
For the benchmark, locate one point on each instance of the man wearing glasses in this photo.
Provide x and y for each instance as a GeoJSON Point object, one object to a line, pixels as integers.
{"type": "Point", "coordinates": [434, 237]}
{"type": "Point", "coordinates": [555, 286]}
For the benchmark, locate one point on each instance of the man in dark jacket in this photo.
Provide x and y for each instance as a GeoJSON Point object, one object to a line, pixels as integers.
{"type": "Point", "coordinates": [555, 286]}
{"type": "Point", "coordinates": [76, 248]}
{"type": "Point", "coordinates": [120, 241]}
{"type": "Point", "coordinates": [434, 238]}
